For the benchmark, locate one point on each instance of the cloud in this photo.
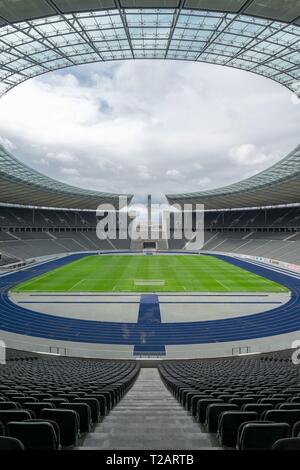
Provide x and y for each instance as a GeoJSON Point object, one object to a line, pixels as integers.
{"type": "Point", "coordinates": [248, 155]}
{"type": "Point", "coordinates": [144, 173]}
{"type": "Point", "coordinates": [174, 174]}
{"type": "Point", "coordinates": [204, 182]}
{"type": "Point", "coordinates": [149, 126]}
{"type": "Point", "coordinates": [7, 144]}
{"type": "Point", "coordinates": [60, 156]}
{"type": "Point", "coordinates": [70, 172]}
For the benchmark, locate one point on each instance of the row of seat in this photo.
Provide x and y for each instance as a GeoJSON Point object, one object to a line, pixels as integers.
{"type": "Point", "coordinates": [51, 402]}
{"type": "Point", "coordinates": [33, 434]}
{"type": "Point", "coordinates": [244, 402]}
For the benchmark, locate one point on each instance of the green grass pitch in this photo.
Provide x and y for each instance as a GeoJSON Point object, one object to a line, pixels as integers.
{"type": "Point", "coordinates": [141, 273]}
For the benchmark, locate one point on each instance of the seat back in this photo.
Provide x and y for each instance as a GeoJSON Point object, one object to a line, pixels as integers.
{"type": "Point", "coordinates": [202, 407]}
{"type": "Point", "coordinates": [194, 402]}
{"type": "Point", "coordinates": [225, 397]}
{"type": "Point", "coordinates": [68, 396]}
{"type": "Point", "coordinates": [289, 443]}
{"type": "Point", "coordinates": [296, 429]}
{"type": "Point", "coordinates": [289, 406]}
{"type": "Point", "coordinates": [242, 425]}
{"type": "Point", "coordinates": [257, 407]}
{"type": "Point", "coordinates": [12, 393]}
{"type": "Point", "coordinates": [84, 411]}
{"type": "Point", "coordinates": [213, 412]}
{"type": "Point", "coordinates": [283, 416]}
{"type": "Point", "coordinates": [23, 399]}
{"type": "Point", "coordinates": [241, 401]}
{"type": "Point", "coordinates": [53, 423]}
{"type": "Point", "coordinates": [229, 423]}
{"type": "Point", "coordinates": [10, 443]}
{"type": "Point", "coordinates": [285, 396]}
{"type": "Point", "coordinates": [37, 407]}
{"type": "Point", "coordinates": [262, 435]}
{"type": "Point", "coordinates": [68, 421]}
{"type": "Point", "coordinates": [185, 396]}
{"type": "Point", "coordinates": [294, 400]}
{"type": "Point", "coordinates": [109, 398]}
{"type": "Point", "coordinates": [40, 395]}
{"type": "Point", "coordinates": [273, 401]}
{"type": "Point", "coordinates": [55, 401]}
{"type": "Point", "coordinates": [102, 400]}
{"type": "Point", "coordinates": [14, 415]}
{"type": "Point", "coordinates": [94, 406]}
{"type": "Point", "coordinates": [34, 435]}
{"type": "Point", "coordinates": [191, 397]}
{"type": "Point", "coordinates": [9, 405]}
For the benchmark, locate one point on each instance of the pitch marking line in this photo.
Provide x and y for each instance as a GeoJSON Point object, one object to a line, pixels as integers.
{"type": "Point", "coordinates": [223, 285]}
{"type": "Point", "coordinates": [76, 284]}
{"type": "Point", "coordinates": [149, 282]}
{"type": "Point", "coordinates": [32, 280]}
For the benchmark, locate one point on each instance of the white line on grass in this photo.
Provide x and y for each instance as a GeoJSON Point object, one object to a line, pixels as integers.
{"type": "Point", "coordinates": [34, 279]}
{"type": "Point", "coordinates": [223, 285]}
{"type": "Point", "coordinates": [76, 284]}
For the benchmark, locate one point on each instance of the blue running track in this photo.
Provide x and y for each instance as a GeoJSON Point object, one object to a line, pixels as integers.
{"type": "Point", "coordinates": [147, 333]}
{"type": "Point", "coordinates": [149, 316]}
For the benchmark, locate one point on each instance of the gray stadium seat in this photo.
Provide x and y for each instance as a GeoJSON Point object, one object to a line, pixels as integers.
{"type": "Point", "coordinates": [229, 423]}
{"type": "Point", "coordinates": [34, 435]}
{"type": "Point", "coordinates": [261, 435]}
{"type": "Point", "coordinates": [291, 443]}
{"type": "Point", "coordinates": [69, 424]}
{"type": "Point", "coordinates": [10, 443]}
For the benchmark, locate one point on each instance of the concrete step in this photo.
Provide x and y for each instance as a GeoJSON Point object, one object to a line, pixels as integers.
{"type": "Point", "coordinates": [149, 418]}
{"type": "Point", "coordinates": [140, 418]}
{"type": "Point", "coordinates": [173, 429]}
{"type": "Point", "coordinates": [142, 441]}
{"type": "Point", "coordinates": [142, 409]}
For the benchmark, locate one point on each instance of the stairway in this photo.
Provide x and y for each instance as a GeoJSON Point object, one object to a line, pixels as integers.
{"type": "Point", "coordinates": [149, 418]}
{"type": "Point", "coordinates": [136, 245]}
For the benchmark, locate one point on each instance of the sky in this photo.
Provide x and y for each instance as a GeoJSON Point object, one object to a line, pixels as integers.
{"type": "Point", "coordinates": [149, 126]}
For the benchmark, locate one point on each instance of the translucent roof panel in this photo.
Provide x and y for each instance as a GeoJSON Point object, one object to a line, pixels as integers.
{"type": "Point", "coordinates": [279, 184]}
{"type": "Point", "coordinates": [38, 36]}
{"type": "Point", "coordinates": [21, 184]}
{"type": "Point", "coordinates": [18, 10]}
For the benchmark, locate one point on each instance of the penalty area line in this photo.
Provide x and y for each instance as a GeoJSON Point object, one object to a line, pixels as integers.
{"type": "Point", "coordinates": [76, 284]}
{"type": "Point", "coordinates": [223, 285]}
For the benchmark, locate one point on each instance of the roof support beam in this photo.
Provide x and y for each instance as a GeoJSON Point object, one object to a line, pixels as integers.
{"type": "Point", "coordinates": [83, 34]}
{"type": "Point", "coordinates": [174, 24]}
{"type": "Point", "coordinates": [20, 55]}
{"type": "Point", "coordinates": [220, 30]}
{"type": "Point", "coordinates": [125, 26]}
{"type": "Point", "coordinates": [37, 47]}
{"type": "Point", "coordinates": [250, 45]}
{"type": "Point", "coordinates": [37, 39]}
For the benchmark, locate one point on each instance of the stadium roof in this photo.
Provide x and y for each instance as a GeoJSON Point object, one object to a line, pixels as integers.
{"type": "Point", "coordinates": [38, 36]}
{"type": "Point", "coordinates": [20, 184]}
{"type": "Point", "coordinates": [279, 184]}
